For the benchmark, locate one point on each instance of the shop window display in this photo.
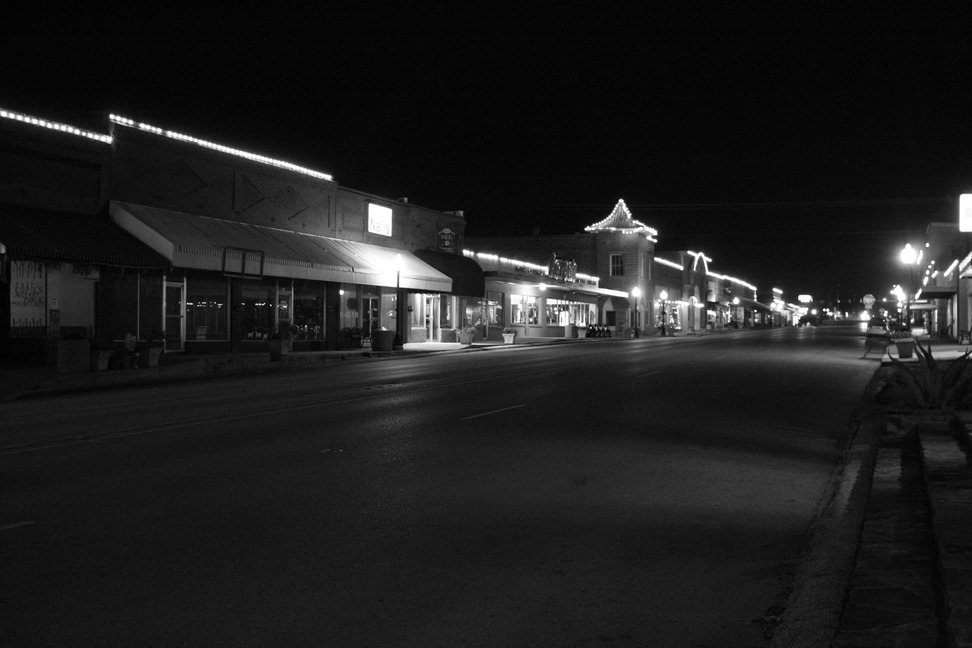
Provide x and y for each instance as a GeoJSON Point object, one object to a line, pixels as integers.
{"type": "Point", "coordinates": [523, 309]}
{"type": "Point", "coordinates": [206, 309]}
{"type": "Point", "coordinates": [256, 309]}
{"type": "Point", "coordinates": [308, 323]}
{"type": "Point", "coordinates": [493, 309]}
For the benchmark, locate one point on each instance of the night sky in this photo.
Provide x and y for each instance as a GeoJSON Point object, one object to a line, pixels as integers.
{"type": "Point", "coordinates": [799, 147]}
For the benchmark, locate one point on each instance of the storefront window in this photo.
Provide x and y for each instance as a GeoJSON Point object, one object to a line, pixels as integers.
{"type": "Point", "coordinates": [308, 321]}
{"type": "Point", "coordinates": [472, 310]}
{"type": "Point", "coordinates": [445, 312]}
{"type": "Point", "coordinates": [523, 309]}
{"type": "Point", "coordinates": [371, 310]}
{"type": "Point", "coordinates": [348, 312]}
{"type": "Point", "coordinates": [206, 308]}
{"type": "Point", "coordinates": [256, 305]}
{"type": "Point", "coordinates": [493, 308]}
{"type": "Point", "coordinates": [389, 310]}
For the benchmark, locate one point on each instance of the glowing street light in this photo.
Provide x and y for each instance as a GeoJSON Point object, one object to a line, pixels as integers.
{"type": "Point", "coordinates": [636, 291]}
{"type": "Point", "coordinates": [909, 257]}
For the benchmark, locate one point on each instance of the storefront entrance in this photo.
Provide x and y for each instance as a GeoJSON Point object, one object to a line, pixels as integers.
{"type": "Point", "coordinates": [175, 317]}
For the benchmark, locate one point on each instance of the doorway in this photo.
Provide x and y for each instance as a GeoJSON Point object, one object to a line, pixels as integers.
{"type": "Point", "coordinates": [370, 315]}
{"type": "Point", "coordinates": [175, 317]}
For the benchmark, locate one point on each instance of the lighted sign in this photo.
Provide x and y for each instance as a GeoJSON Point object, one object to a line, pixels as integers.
{"type": "Point", "coordinates": [379, 219]}
{"type": "Point", "coordinates": [804, 299]}
{"type": "Point", "coordinates": [965, 213]}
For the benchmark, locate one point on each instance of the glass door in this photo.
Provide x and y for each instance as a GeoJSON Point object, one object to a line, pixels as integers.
{"type": "Point", "coordinates": [431, 318]}
{"type": "Point", "coordinates": [370, 315]}
{"type": "Point", "coordinates": [175, 317]}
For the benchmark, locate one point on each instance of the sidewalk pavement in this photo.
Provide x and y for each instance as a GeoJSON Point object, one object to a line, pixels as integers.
{"type": "Point", "coordinates": [30, 381]}
{"type": "Point", "coordinates": [889, 561]}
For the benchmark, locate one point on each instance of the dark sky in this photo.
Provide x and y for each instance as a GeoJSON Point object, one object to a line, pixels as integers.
{"type": "Point", "coordinates": [800, 147]}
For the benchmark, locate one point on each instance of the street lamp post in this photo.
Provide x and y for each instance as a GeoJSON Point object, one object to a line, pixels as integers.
{"type": "Point", "coordinates": [399, 323]}
{"type": "Point", "coordinates": [664, 311]}
{"type": "Point", "coordinates": [909, 257]}
{"type": "Point", "coordinates": [636, 291]}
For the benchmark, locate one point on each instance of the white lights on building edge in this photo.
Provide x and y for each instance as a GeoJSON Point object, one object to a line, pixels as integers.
{"type": "Point", "coordinates": [63, 128]}
{"type": "Point", "coordinates": [124, 121]}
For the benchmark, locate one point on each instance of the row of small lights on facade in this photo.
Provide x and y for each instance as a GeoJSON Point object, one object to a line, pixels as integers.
{"type": "Point", "coordinates": [124, 121]}
{"type": "Point", "coordinates": [63, 128]}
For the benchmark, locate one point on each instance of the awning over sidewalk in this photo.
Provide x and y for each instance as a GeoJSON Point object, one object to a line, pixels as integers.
{"type": "Point", "coordinates": [752, 303]}
{"type": "Point", "coordinates": [47, 235]}
{"type": "Point", "coordinates": [204, 243]}
{"type": "Point", "coordinates": [467, 277]}
{"type": "Point", "coordinates": [936, 292]}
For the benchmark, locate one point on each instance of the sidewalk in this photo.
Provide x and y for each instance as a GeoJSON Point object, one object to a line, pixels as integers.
{"type": "Point", "coordinates": [29, 381]}
{"type": "Point", "coordinates": [890, 556]}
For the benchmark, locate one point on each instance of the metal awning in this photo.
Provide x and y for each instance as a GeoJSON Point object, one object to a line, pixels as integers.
{"type": "Point", "coordinates": [936, 292]}
{"type": "Point", "coordinates": [467, 277]}
{"type": "Point", "coordinates": [752, 303]}
{"type": "Point", "coordinates": [205, 243]}
{"type": "Point", "coordinates": [47, 235]}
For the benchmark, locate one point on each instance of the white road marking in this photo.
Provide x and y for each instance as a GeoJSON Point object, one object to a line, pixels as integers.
{"type": "Point", "coordinates": [651, 373]}
{"type": "Point", "coordinates": [505, 409]}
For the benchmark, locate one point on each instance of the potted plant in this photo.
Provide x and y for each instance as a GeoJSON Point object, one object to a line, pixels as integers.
{"type": "Point", "coordinates": [156, 348]}
{"type": "Point", "coordinates": [904, 342]}
{"type": "Point", "coordinates": [466, 334]}
{"type": "Point", "coordinates": [281, 342]}
{"type": "Point", "coordinates": [509, 335]}
{"type": "Point", "coordinates": [929, 390]}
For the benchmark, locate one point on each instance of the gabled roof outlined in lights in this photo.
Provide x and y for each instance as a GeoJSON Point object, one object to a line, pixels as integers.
{"type": "Point", "coordinates": [621, 220]}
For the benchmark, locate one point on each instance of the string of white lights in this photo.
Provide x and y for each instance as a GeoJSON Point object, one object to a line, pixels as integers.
{"type": "Point", "coordinates": [45, 123]}
{"type": "Point", "coordinates": [131, 123]}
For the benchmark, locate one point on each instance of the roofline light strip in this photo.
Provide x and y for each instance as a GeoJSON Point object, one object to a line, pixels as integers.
{"type": "Point", "coordinates": [56, 126]}
{"type": "Point", "coordinates": [131, 123]}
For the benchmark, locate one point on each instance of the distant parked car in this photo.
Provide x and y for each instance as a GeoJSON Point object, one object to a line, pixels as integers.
{"type": "Point", "coordinates": [878, 327]}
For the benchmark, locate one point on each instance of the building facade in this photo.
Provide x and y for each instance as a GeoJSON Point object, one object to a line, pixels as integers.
{"type": "Point", "coordinates": [209, 248]}
{"type": "Point", "coordinates": [129, 234]}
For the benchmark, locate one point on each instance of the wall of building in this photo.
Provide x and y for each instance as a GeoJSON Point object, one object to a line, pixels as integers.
{"type": "Point", "coordinates": [52, 169]}
{"type": "Point", "coordinates": [153, 170]}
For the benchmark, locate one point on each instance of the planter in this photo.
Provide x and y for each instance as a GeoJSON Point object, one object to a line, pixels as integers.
{"type": "Point", "coordinates": [906, 347]}
{"type": "Point", "coordinates": [279, 348]}
{"type": "Point", "coordinates": [100, 359]}
{"type": "Point", "coordinates": [581, 332]}
{"type": "Point", "coordinates": [153, 356]}
{"type": "Point", "coordinates": [382, 340]}
{"type": "Point", "coordinates": [466, 338]}
{"type": "Point", "coordinates": [509, 338]}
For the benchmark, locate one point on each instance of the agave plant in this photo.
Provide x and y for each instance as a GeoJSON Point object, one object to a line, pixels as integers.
{"type": "Point", "coordinates": [933, 386]}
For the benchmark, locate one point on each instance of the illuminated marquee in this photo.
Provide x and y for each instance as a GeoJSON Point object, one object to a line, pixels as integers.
{"type": "Point", "coordinates": [379, 219]}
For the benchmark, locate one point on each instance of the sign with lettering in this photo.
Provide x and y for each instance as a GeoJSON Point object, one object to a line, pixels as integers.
{"type": "Point", "coordinates": [379, 219]}
{"type": "Point", "coordinates": [446, 240]}
{"type": "Point", "coordinates": [28, 294]}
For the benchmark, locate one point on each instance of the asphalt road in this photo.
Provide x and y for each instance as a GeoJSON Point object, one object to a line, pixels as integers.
{"type": "Point", "coordinates": [644, 493]}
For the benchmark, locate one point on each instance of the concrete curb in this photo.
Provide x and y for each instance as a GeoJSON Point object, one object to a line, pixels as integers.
{"type": "Point", "coordinates": [813, 612]}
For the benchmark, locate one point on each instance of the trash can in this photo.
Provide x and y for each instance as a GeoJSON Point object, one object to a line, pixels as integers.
{"type": "Point", "coordinates": [382, 340]}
